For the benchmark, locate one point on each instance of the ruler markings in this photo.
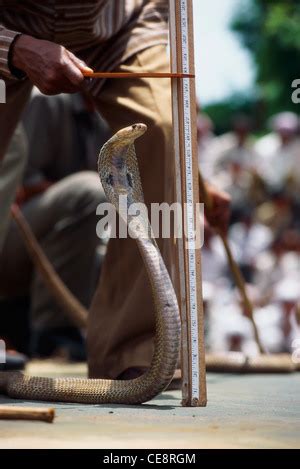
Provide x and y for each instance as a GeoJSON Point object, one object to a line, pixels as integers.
{"type": "Point", "coordinates": [193, 300]}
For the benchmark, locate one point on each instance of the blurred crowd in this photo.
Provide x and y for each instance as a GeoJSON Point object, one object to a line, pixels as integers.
{"type": "Point", "coordinates": [262, 176]}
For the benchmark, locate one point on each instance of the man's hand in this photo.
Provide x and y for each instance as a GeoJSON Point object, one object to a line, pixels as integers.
{"type": "Point", "coordinates": [219, 214]}
{"type": "Point", "coordinates": [49, 66]}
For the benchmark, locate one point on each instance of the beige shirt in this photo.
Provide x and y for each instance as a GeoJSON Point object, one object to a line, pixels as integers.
{"type": "Point", "coordinates": [105, 33]}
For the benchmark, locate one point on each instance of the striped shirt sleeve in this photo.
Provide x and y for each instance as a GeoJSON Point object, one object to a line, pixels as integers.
{"type": "Point", "coordinates": [7, 37]}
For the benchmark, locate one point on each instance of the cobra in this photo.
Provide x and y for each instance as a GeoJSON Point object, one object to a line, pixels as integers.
{"type": "Point", "coordinates": [119, 174]}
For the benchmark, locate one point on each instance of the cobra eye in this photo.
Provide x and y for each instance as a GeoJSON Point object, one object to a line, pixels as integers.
{"type": "Point", "coordinates": [110, 180]}
{"type": "Point", "coordinates": [129, 179]}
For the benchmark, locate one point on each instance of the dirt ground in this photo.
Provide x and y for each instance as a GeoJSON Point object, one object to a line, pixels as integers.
{"type": "Point", "coordinates": [258, 411]}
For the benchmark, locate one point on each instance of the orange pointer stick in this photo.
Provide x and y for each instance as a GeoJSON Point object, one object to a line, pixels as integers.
{"type": "Point", "coordinates": [136, 75]}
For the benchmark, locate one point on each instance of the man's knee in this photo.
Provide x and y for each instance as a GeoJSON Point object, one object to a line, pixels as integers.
{"type": "Point", "coordinates": [82, 192]}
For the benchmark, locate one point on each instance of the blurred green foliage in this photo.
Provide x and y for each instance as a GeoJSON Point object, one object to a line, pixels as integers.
{"type": "Point", "coordinates": [270, 30]}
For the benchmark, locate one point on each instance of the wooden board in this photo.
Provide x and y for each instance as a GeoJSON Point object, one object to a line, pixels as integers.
{"type": "Point", "coordinates": [187, 190]}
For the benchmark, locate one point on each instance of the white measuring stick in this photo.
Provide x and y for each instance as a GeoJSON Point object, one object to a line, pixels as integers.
{"type": "Point", "coordinates": [191, 225]}
{"type": "Point", "coordinates": [183, 111]}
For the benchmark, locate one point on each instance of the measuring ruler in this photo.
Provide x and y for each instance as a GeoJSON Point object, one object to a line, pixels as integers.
{"type": "Point", "coordinates": [191, 224]}
{"type": "Point", "coordinates": [186, 161]}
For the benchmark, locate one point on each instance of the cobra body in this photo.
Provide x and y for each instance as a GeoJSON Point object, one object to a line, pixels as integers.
{"type": "Point", "coordinates": [119, 174]}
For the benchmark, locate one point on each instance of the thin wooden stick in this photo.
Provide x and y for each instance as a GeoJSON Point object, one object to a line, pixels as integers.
{"type": "Point", "coordinates": [27, 413]}
{"type": "Point", "coordinates": [236, 272]}
{"type": "Point", "coordinates": [136, 75]}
